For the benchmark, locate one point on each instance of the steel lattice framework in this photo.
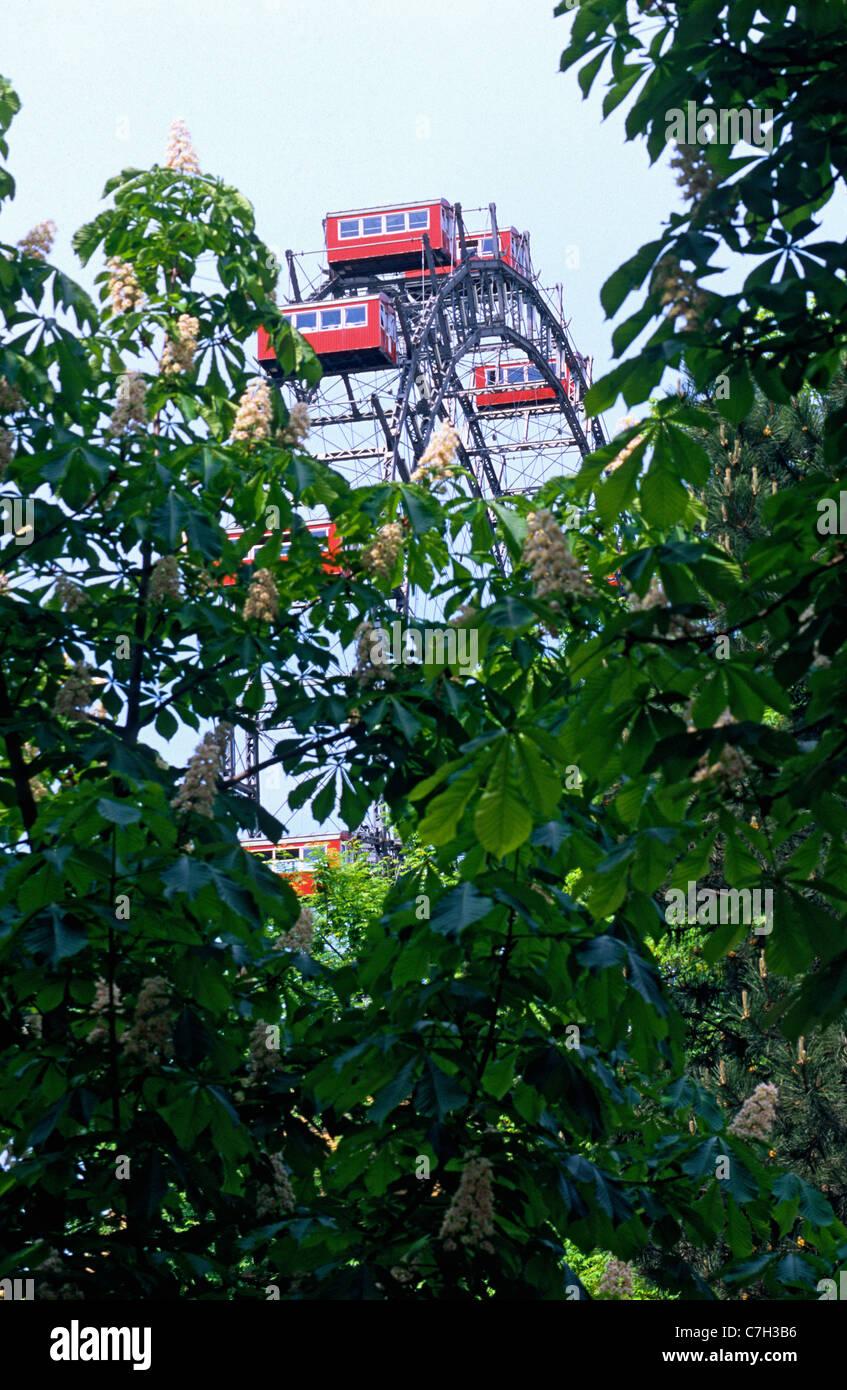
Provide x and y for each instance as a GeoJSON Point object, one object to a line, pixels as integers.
{"type": "Point", "coordinates": [454, 327]}
{"type": "Point", "coordinates": [376, 426]}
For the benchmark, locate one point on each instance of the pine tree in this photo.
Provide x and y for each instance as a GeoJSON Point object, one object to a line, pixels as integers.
{"type": "Point", "coordinates": [772, 447]}
{"type": "Point", "coordinates": [743, 1045]}
{"type": "Point", "coordinates": [735, 1043]}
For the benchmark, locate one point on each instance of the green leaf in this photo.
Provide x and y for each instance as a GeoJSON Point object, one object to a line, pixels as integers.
{"type": "Point", "coordinates": [429, 784]}
{"type": "Point", "coordinates": [438, 826]}
{"type": "Point", "coordinates": [514, 525]}
{"type": "Point", "coordinates": [616, 492]}
{"type": "Point", "coordinates": [622, 87]}
{"type": "Point", "coordinates": [354, 803]}
{"type": "Point", "coordinates": [711, 701]}
{"type": "Point", "coordinates": [663, 498]}
{"type": "Point", "coordinates": [740, 1238]}
{"type": "Point", "coordinates": [741, 869]}
{"type": "Point", "coordinates": [702, 1162]}
{"type": "Point", "coordinates": [460, 907]}
{"type": "Point", "coordinates": [768, 691]}
{"type": "Point", "coordinates": [608, 892]}
{"type": "Point", "coordinates": [542, 786]}
{"type": "Point", "coordinates": [191, 1040]}
{"type": "Point", "coordinates": [438, 1094]}
{"type": "Point", "coordinates": [382, 1172]}
{"type": "Point", "coordinates": [166, 725]}
{"type": "Point", "coordinates": [644, 980]}
{"type": "Point", "coordinates": [498, 1077]}
{"type": "Point", "coordinates": [170, 519]}
{"type": "Point", "coordinates": [187, 875]}
{"type": "Point", "coordinates": [722, 940]}
{"type": "Point", "coordinates": [737, 404]}
{"type": "Point", "coordinates": [225, 1103]}
{"type": "Point", "coordinates": [410, 725]}
{"type": "Point", "coordinates": [585, 77]}
{"type": "Point", "coordinates": [740, 1182]}
{"type": "Point", "coordinates": [58, 939]}
{"type": "Point", "coordinates": [324, 801]}
{"type": "Point", "coordinates": [411, 965]}
{"type": "Point", "coordinates": [187, 1116]}
{"type": "Point", "coordinates": [813, 1206]}
{"type": "Point", "coordinates": [793, 1269]}
{"type": "Point", "coordinates": [502, 821]}
{"type": "Point", "coordinates": [749, 1269]}
{"type": "Point", "coordinates": [119, 812]}
{"type": "Point", "coordinates": [628, 276]}
{"type": "Point", "coordinates": [510, 613]}
{"type": "Point", "coordinates": [422, 510]}
{"type": "Point", "coordinates": [395, 1092]}
{"type": "Point", "coordinates": [694, 864]}
{"type": "Point", "coordinates": [444, 812]}
{"type": "Point", "coordinates": [527, 1102]}
{"type": "Point", "coordinates": [45, 1126]}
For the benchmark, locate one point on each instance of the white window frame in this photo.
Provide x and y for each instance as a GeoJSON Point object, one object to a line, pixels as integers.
{"type": "Point", "coordinates": [383, 217]}
{"type": "Point", "coordinates": [332, 327]}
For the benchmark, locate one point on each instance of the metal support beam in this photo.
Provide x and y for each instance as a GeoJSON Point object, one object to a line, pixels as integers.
{"type": "Point", "coordinates": [292, 275]}
{"type": "Point", "coordinates": [391, 442]}
{"type": "Point", "coordinates": [251, 783]}
{"type": "Point", "coordinates": [481, 449]}
{"type": "Point", "coordinates": [430, 263]}
{"type": "Point", "coordinates": [463, 243]}
{"type": "Point", "coordinates": [354, 406]}
{"type": "Point", "coordinates": [495, 231]}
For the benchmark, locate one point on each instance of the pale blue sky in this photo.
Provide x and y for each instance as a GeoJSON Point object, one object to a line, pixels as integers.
{"type": "Point", "coordinates": [322, 106]}
{"type": "Point", "coordinates": [319, 107]}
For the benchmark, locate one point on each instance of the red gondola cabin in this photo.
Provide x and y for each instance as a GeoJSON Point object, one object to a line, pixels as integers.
{"type": "Point", "coordinates": [515, 383]}
{"type": "Point", "coordinates": [514, 248]}
{"type": "Point", "coordinates": [348, 335]}
{"type": "Point", "coordinates": [319, 530]}
{"type": "Point", "coordinates": [377, 240]}
{"type": "Point", "coordinates": [294, 858]}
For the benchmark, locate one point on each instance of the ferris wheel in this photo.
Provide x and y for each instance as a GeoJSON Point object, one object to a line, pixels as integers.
{"type": "Point", "coordinates": [417, 320]}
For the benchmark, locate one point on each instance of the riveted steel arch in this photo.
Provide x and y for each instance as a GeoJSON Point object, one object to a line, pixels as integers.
{"type": "Point", "coordinates": [484, 300]}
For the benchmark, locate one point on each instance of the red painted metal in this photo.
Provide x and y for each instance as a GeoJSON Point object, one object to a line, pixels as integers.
{"type": "Point", "coordinates": [319, 529]}
{"type": "Point", "coordinates": [390, 238]}
{"type": "Point", "coordinates": [515, 383]}
{"type": "Point", "coordinates": [423, 272]}
{"type": "Point", "coordinates": [291, 857]}
{"type": "Point", "coordinates": [347, 334]}
{"type": "Point", "coordinates": [514, 248]}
